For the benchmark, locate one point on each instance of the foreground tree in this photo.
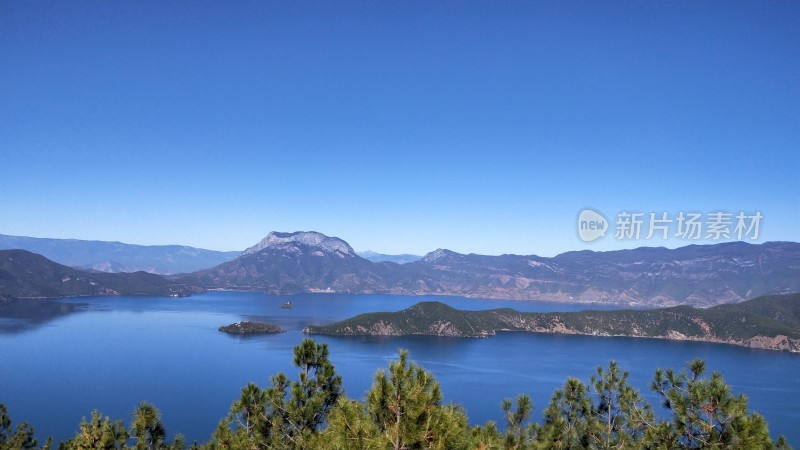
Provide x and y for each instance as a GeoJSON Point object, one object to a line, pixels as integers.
{"type": "Point", "coordinates": [101, 433]}
{"type": "Point", "coordinates": [706, 414]}
{"type": "Point", "coordinates": [350, 428]}
{"type": "Point", "coordinates": [569, 420]}
{"type": "Point", "coordinates": [19, 438]}
{"type": "Point", "coordinates": [286, 415]}
{"type": "Point", "coordinates": [518, 435]}
{"type": "Point", "coordinates": [147, 427]}
{"type": "Point", "coordinates": [405, 405]}
{"type": "Point", "coordinates": [622, 415]}
{"type": "Point", "coordinates": [404, 410]}
{"type": "Point", "coordinates": [315, 394]}
{"type": "Point", "coordinates": [98, 434]}
{"type": "Point", "coordinates": [486, 437]}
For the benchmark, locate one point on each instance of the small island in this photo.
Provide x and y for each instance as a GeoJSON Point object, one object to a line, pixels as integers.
{"type": "Point", "coordinates": [251, 328]}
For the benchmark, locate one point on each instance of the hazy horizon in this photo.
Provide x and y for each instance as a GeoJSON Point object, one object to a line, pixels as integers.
{"type": "Point", "coordinates": [357, 250]}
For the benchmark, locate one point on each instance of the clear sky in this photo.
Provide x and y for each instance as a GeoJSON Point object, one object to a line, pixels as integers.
{"type": "Point", "coordinates": [399, 126]}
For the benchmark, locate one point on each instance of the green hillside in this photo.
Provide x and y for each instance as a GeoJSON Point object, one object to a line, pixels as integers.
{"type": "Point", "coordinates": [27, 275]}
{"type": "Point", "coordinates": [770, 322]}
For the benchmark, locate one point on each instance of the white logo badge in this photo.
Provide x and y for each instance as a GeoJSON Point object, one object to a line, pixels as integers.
{"type": "Point", "coordinates": [591, 225]}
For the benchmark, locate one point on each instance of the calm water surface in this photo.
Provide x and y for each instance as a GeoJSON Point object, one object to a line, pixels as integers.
{"type": "Point", "coordinates": [59, 360]}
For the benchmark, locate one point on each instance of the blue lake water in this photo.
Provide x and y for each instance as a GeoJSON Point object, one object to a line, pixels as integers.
{"type": "Point", "coordinates": [61, 359]}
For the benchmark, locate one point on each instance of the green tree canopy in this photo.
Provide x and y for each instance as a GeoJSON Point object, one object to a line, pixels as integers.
{"type": "Point", "coordinates": [404, 410]}
{"type": "Point", "coordinates": [286, 415]}
{"type": "Point", "coordinates": [405, 405]}
{"type": "Point", "coordinates": [21, 437]}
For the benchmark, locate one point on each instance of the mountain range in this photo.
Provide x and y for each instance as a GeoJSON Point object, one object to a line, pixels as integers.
{"type": "Point", "coordinates": [117, 257]}
{"type": "Point", "coordinates": [303, 262]}
{"type": "Point", "coordinates": [27, 275]}
{"type": "Point", "coordinates": [700, 275]}
{"type": "Point", "coordinates": [380, 257]}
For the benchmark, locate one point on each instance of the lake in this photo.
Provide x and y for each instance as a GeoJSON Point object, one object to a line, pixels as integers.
{"type": "Point", "coordinates": [61, 359]}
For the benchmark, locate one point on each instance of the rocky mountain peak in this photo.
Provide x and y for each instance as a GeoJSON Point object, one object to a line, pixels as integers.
{"type": "Point", "coordinates": [437, 254]}
{"type": "Point", "coordinates": [312, 239]}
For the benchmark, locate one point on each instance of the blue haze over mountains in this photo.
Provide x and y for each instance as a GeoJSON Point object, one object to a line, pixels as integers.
{"type": "Point", "coordinates": [118, 257]}
{"type": "Point", "coordinates": [309, 262]}
{"type": "Point", "coordinates": [699, 275]}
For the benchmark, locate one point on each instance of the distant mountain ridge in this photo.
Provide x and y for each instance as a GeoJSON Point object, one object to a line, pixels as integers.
{"type": "Point", "coordinates": [700, 275]}
{"type": "Point", "coordinates": [381, 257]}
{"type": "Point", "coordinates": [308, 261]}
{"type": "Point", "coordinates": [769, 322]}
{"type": "Point", "coordinates": [117, 257]}
{"type": "Point", "coordinates": [28, 275]}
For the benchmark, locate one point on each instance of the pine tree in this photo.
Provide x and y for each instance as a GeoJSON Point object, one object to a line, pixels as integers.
{"type": "Point", "coordinates": [249, 411]}
{"type": "Point", "coordinates": [569, 420]}
{"type": "Point", "coordinates": [706, 414]}
{"type": "Point", "coordinates": [350, 428]}
{"type": "Point", "coordinates": [98, 434]}
{"type": "Point", "coordinates": [405, 404]}
{"type": "Point", "coordinates": [313, 396]}
{"type": "Point", "coordinates": [486, 437]}
{"type": "Point", "coordinates": [622, 415]}
{"type": "Point", "coordinates": [517, 434]}
{"type": "Point", "coordinates": [149, 432]}
{"type": "Point", "coordinates": [285, 415]}
{"type": "Point", "coordinates": [147, 427]}
{"type": "Point", "coordinates": [19, 439]}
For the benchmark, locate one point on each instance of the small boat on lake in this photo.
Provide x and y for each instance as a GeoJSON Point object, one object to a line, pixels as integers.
{"type": "Point", "coordinates": [287, 305]}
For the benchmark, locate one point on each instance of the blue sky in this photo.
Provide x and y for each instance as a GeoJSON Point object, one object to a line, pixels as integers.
{"type": "Point", "coordinates": [398, 126]}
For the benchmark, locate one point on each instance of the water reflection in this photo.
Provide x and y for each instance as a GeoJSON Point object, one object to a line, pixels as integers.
{"type": "Point", "coordinates": [17, 316]}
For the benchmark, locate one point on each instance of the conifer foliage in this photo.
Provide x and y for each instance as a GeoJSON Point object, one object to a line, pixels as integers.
{"type": "Point", "coordinates": [404, 410]}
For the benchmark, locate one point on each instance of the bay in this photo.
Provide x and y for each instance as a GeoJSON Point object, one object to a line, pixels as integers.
{"type": "Point", "coordinates": [60, 359]}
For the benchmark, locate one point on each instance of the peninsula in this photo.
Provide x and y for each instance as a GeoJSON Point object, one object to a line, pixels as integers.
{"type": "Point", "coordinates": [768, 322]}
